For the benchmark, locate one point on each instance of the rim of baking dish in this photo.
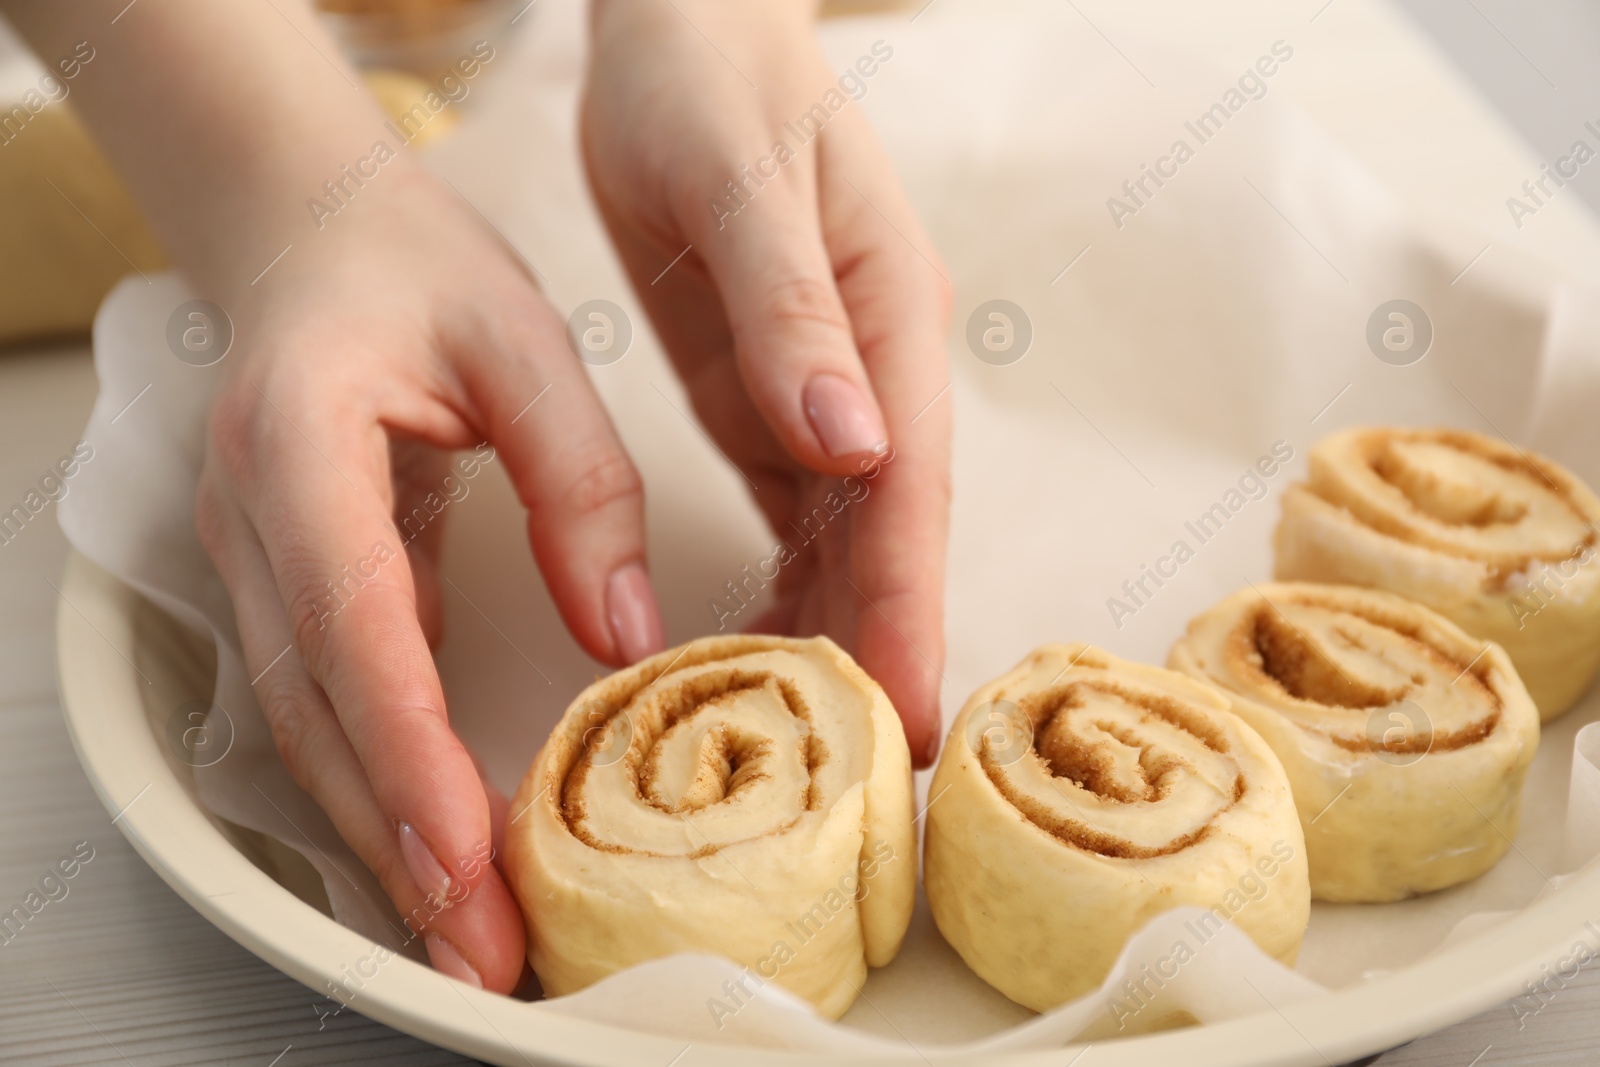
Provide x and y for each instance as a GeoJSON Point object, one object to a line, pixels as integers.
{"type": "Point", "coordinates": [102, 695]}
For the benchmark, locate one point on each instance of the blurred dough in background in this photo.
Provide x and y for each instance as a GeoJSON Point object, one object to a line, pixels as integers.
{"type": "Point", "coordinates": [72, 229]}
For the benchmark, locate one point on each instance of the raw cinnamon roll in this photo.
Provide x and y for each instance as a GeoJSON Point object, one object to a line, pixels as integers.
{"type": "Point", "coordinates": [1498, 540]}
{"type": "Point", "coordinates": [745, 796]}
{"type": "Point", "coordinates": [1405, 739]}
{"type": "Point", "coordinates": [1078, 797]}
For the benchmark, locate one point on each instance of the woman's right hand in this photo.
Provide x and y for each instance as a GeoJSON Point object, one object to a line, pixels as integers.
{"type": "Point", "coordinates": [404, 330]}
{"type": "Point", "coordinates": [379, 339]}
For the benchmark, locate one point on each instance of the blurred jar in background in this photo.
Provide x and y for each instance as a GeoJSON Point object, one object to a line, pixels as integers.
{"type": "Point", "coordinates": [421, 37]}
{"type": "Point", "coordinates": [71, 228]}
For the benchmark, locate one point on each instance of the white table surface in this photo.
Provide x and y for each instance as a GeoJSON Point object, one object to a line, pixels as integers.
{"type": "Point", "coordinates": [121, 971]}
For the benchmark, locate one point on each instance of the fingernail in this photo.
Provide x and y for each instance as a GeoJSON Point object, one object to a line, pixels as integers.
{"type": "Point", "coordinates": [930, 751]}
{"type": "Point", "coordinates": [631, 610]}
{"type": "Point", "coordinates": [844, 418]}
{"type": "Point", "coordinates": [448, 960]}
{"type": "Point", "coordinates": [426, 870]}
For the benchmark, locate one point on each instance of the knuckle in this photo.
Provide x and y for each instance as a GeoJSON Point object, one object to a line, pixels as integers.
{"type": "Point", "coordinates": [309, 616]}
{"type": "Point", "coordinates": [210, 519]}
{"type": "Point", "coordinates": [313, 601]}
{"type": "Point", "coordinates": [689, 190]}
{"type": "Point", "coordinates": [294, 732]}
{"type": "Point", "coordinates": [364, 639]}
{"type": "Point", "coordinates": [274, 404]}
{"type": "Point", "coordinates": [605, 480]}
{"type": "Point", "coordinates": [318, 602]}
{"type": "Point", "coordinates": [231, 428]}
{"type": "Point", "coordinates": [926, 284]}
{"type": "Point", "coordinates": [806, 302]}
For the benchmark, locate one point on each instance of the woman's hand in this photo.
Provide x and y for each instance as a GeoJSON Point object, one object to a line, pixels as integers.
{"type": "Point", "coordinates": [807, 317]}
{"type": "Point", "coordinates": [368, 342]}
{"type": "Point", "coordinates": [403, 330]}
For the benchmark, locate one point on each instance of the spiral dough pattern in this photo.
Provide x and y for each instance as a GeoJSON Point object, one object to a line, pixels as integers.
{"type": "Point", "coordinates": [1498, 540]}
{"type": "Point", "coordinates": [745, 796]}
{"type": "Point", "coordinates": [1406, 740]}
{"type": "Point", "coordinates": [1078, 797]}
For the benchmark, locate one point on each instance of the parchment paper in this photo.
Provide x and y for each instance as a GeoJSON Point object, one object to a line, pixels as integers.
{"type": "Point", "coordinates": [1227, 313]}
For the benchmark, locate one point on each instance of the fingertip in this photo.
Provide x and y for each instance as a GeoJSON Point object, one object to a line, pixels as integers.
{"type": "Point", "coordinates": [930, 751]}
{"type": "Point", "coordinates": [471, 924]}
{"type": "Point", "coordinates": [480, 940]}
{"type": "Point", "coordinates": [845, 417]}
{"type": "Point", "coordinates": [424, 867]}
{"type": "Point", "coordinates": [633, 614]}
{"type": "Point", "coordinates": [922, 738]}
{"type": "Point", "coordinates": [499, 813]}
{"type": "Point", "coordinates": [448, 960]}
{"type": "Point", "coordinates": [926, 730]}
{"type": "Point", "coordinates": [780, 618]}
{"type": "Point", "coordinates": [912, 685]}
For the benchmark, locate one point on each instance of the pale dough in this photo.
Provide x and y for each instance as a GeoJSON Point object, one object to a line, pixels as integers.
{"type": "Point", "coordinates": [745, 796]}
{"type": "Point", "coordinates": [1078, 797]}
{"type": "Point", "coordinates": [1406, 740]}
{"type": "Point", "coordinates": [1500, 541]}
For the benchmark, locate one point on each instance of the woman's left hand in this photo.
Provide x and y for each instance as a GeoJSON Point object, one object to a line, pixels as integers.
{"type": "Point", "coordinates": [806, 315]}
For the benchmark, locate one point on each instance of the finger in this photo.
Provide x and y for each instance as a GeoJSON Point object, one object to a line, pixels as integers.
{"type": "Point", "coordinates": [791, 336]}
{"type": "Point", "coordinates": [499, 808]}
{"type": "Point", "coordinates": [470, 923]}
{"type": "Point", "coordinates": [310, 471]}
{"type": "Point", "coordinates": [584, 497]}
{"type": "Point", "coordinates": [423, 485]}
{"type": "Point", "coordinates": [430, 600]}
{"type": "Point", "coordinates": [780, 618]}
{"type": "Point", "coordinates": [687, 315]}
{"type": "Point", "coordinates": [898, 300]}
